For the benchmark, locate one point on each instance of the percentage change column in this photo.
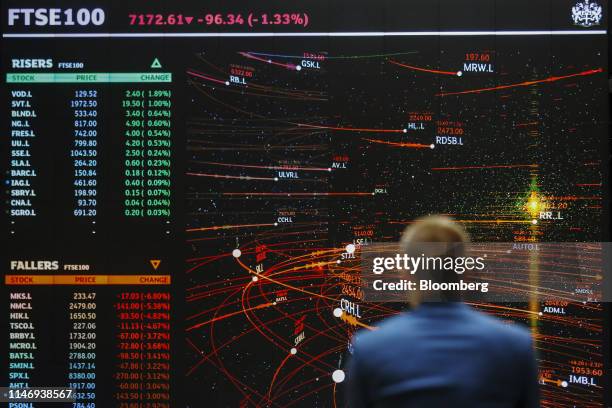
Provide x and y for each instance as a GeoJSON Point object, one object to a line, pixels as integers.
{"type": "Point", "coordinates": [148, 152]}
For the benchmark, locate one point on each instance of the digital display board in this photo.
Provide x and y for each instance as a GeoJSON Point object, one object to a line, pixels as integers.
{"type": "Point", "coordinates": [188, 185]}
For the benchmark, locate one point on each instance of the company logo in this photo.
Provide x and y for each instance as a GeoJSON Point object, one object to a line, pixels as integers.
{"type": "Point", "coordinates": [586, 14]}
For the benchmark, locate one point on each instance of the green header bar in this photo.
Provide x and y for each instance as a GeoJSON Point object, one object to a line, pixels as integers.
{"type": "Point", "coordinates": [87, 77]}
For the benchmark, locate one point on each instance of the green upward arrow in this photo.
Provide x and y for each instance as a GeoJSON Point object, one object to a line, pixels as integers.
{"type": "Point", "coordinates": [156, 63]}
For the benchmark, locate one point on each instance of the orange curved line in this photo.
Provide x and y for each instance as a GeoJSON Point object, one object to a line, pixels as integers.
{"type": "Point", "coordinates": [433, 71]}
{"type": "Point", "coordinates": [276, 374]}
{"type": "Point", "coordinates": [493, 166]}
{"type": "Point", "coordinates": [526, 83]}
{"type": "Point", "coordinates": [400, 144]}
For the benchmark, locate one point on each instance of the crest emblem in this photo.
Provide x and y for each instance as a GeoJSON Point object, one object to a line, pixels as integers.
{"type": "Point", "coordinates": [586, 13]}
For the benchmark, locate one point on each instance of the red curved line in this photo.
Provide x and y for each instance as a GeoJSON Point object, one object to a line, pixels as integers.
{"type": "Point", "coordinates": [302, 125]}
{"type": "Point", "coordinates": [276, 375]}
{"type": "Point", "coordinates": [433, 71]}
{"type": "Point", "coordinates": [495, 166]}
{"type": "Point", "coordinates": [400, 144]}
{"type": "Point", "coordinates": [269, 167]}
{"type": "Point", "coordinates": [199, 75]}
{"type": "Point", "coordinates": [268, 61]}
{"type": "Point", "coordinates": [348, 128]}
{"type": "Point", "coordinates": [526, 83]}
{"type": "Point", "coordinates": [226, 176]}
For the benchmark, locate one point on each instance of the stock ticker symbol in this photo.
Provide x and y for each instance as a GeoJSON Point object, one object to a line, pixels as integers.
{"type": "Point", "coordinates": [586, 14]}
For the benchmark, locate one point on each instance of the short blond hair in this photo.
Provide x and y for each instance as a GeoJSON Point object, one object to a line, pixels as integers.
{"type": "Point", "coordinates": [434, 228]}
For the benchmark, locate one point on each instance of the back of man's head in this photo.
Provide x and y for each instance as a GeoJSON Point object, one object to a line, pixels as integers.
{"type": "Point", "coordinates": [434, 228]}
{"type": "Point", "coordinates": [436, 236]}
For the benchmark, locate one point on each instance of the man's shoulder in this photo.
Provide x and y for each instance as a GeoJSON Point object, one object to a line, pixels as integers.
{"type": "Point", "coordinates": [505, 327]}
{"type": "Point", "coordinates": [385, 331]}
{"type": "Point", "coordinates": [513, 335]}
{"type": "Point", "coordinates": [488, 328]}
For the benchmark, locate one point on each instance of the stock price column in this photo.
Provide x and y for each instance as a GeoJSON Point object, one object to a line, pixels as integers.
{"type": "Point", "coordinates": [84, 152]}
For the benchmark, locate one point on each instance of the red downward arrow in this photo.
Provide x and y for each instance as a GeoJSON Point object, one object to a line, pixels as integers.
{"type": "Point", "coordinates": [188, 20]}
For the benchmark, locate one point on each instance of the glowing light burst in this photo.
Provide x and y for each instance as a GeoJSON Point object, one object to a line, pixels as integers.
{"type": "Point", "coordinates": [532, 203]}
